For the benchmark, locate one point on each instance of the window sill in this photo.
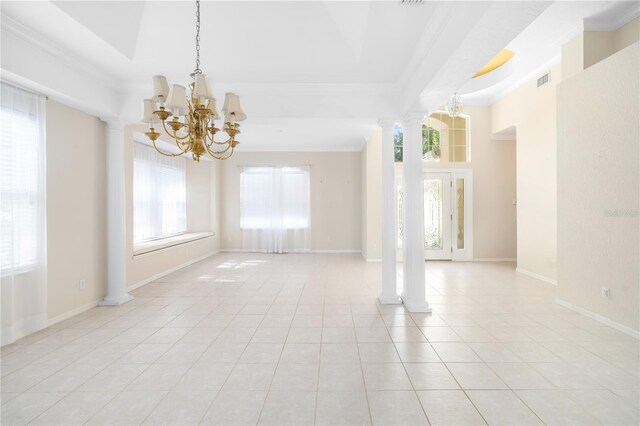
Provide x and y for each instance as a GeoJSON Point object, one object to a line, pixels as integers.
{"type": "Point", "coordinates": [150, 247]}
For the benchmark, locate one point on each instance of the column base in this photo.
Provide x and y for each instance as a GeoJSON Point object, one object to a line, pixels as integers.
{"type": "Point", "coordinates": [414, 307]}
{"type": "Point", "coordinates": [117, 301]}
{"type": "Point", "coordinates": [389, 300]}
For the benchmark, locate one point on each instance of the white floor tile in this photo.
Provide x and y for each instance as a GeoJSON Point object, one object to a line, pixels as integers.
{"type": "Point", "coordinates": [289, 408]}
{"type": "Point", "coordinates": [396, 408]}
{"type": "Point", "coordinates": [449, 407]}
{"type": "Point", "coordinates": [181, 408]}
{"type": "Point", "coordinates": [128, 408]}
{"type": "Point", "coordinates": [235, 408]}
{"type": "Point", "coordinates": [342, 408]}
{"type": "Point", "coordinates": [430, 375]}
{"type": "Point", "coordinates": [502, 407]}
{"type": "Point", "coordinates": [237, 336]}
{"type": "Point", "coordinates": [75, 408]}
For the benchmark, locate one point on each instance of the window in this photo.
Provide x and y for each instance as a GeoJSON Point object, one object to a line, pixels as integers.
{"type": "Point", "coordinates": [23, 232]}
{"type": "Point", "coordinates": [451, 144]}
{"type": "Point", "coordinates": [274, 208]}
{"type": "Point", "coordinates": [444, 139]}
{"type": "Point", "coordinates": [22, 191]}
{"type": "Point", "coordinates": [159, 195]}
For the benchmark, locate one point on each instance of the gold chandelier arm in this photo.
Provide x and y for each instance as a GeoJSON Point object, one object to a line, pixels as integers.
{"type": "Point", "coordinates": [220, 157]}
{"type": "Point", "coordinates": [168, 154]}
{"type": "Point", "coordinates": [213, 141]}
{"type": "Point", "coordinates": [174, 133]}
{"type": "Point", "coordinates": [216, 154]}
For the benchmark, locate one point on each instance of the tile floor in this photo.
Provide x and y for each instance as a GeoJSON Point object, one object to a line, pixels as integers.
{"type": "Point", "coordinates": [300, 339]}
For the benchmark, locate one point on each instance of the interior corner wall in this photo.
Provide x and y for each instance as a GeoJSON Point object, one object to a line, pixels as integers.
{"type": "Point", "coordinates": [627, 35]}
{"type": "Point", "coordinates": [203, 183]}
{"type": "Point", "coordinates": [532, 110]}
{"type": "Point", "coordinates": [76, 209]}
{"type": "Point", "coordinates": [363, 200]}
{"type": "Point", "coordinates": [598, 188]}
{"type": "Point", "coordinates": [335, 197]}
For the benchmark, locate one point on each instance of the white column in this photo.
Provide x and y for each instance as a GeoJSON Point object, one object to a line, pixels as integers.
{"type": "Point", "coordinates": [116, 231]}
{"type": "Point", "coordinates": [413, 296]}
{"type": "Point", "coordinates": [389, 293]}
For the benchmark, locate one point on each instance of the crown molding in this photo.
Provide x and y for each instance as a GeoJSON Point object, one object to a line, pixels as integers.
{"type": "Point", "coordinates": [330, 148]}
{"type": "Point", "coordinates": [11, 27]}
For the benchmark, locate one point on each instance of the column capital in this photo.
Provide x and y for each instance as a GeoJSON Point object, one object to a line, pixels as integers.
{"type": "Point", "coordinates": [387, 122]}
{"type": "Point", "coordinates": [413, 117]}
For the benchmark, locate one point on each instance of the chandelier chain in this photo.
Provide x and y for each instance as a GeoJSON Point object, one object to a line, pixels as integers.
{"type": "Point", "coordinates": [197, 70]}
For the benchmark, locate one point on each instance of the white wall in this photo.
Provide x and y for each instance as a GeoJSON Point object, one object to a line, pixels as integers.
{"type": "Point", "coordinates": [532, 111]}
{"type": "Point", "coordinates": [335, 196]}
{"type": "Point", "coordinates": [598, 188]}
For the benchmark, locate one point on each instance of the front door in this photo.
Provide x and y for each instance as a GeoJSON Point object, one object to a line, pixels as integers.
{"type": "Point", "coordinates": [447, 215]}
{"type": "Point", "coordinates": [437, 215]}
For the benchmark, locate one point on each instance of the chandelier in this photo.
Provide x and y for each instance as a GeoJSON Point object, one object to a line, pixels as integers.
{"type": "Point", "coordinates": [454, 106]}
{"type": "Point", "coordinates": [192, 126]}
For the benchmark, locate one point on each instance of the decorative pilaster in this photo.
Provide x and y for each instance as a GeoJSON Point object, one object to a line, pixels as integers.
{"type": "Point", "coordinates": [116, 224]}
{"type": "Point", "coordinates": [389, 293]}
{"type": "Point", "coordinates": [414, 292]}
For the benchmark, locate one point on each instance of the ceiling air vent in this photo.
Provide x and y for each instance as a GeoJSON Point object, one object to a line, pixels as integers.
{"type": "Point", "coordinates": [411, 1]}
{"type": "Point", "coordinates": [543, 80]}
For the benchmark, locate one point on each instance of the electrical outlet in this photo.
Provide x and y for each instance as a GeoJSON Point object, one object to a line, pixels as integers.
{"type": "Point", "coordinates": [605, 292]}
{"type": "Point", "coordinates": [82, 284]}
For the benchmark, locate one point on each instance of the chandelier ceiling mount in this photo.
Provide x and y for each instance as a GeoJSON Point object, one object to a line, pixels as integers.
{"type": "Point", "coordinates": [192, 126]}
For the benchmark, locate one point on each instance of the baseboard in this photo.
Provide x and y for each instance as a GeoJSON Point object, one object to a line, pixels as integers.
{"type": "Point", "coordinates": [73, 312]}
{"type": "Point", "coordinates": [494, 259]}
{"type": "Point", "coordinates": [293, 252]}
{"type": "Point", "coordinates": [169, 271]}
{"type": "Point", "coordinates": [335, 251]}
{"type": "Point", "coordinates": [604, 320]}
{"type": "Point", "coordinates": [537, 276]}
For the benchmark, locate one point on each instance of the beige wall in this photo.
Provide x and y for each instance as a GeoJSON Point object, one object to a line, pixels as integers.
{"type": "Point", "coordinates": [372, 198]}
{"type": "Point", "coordinates": [76, 208]}
{"type": "Point", "coordinates": [532, 110]}
{"type": "Point", "coordinates": [590, 47]}
{"type": "Point", "coordinates": [627, 35]}
{"type": "Point", "coordinates": [335, 196]}
{"type": "Point", "coordinates": [202, 196]}
{"type": "Point", "coordinates": [598, 188]}
{"type": "Point", "coordinates": [494, 188]}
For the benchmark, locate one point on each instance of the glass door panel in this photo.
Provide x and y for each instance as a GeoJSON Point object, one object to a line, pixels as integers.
{"type": "Point", "coordinates": [437, 215]}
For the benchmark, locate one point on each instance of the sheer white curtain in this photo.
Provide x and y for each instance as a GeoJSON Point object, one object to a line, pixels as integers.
{"type": "Point", "coordinates": [159, 194]}
{"type": "Point", "coordinates": [23, 241]}
{"type": "Point", "coordinates": [274, 209]}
